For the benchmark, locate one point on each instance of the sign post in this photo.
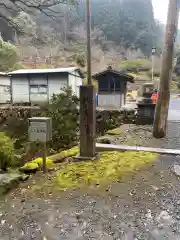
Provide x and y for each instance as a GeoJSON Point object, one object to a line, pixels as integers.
{"type": "Point", "coordinates": [40, 130]}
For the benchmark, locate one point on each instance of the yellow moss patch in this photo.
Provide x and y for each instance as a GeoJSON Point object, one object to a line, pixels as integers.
{"type": "Point", "coordinates": [29, 166]}
{"type": "Point", "coordinates": [110, 167]}
{"type": "Point", "coordinates": [65, 154]}
{"type": "Point", "coordinates": [37, 164]}
{"type": "Point", "coordinates": [115, 131]}
{"type": "Point", "coordinates": [39, 161]}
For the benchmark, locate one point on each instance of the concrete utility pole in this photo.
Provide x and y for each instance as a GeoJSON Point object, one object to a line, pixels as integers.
{"type": "Point", "coordinates": [87, 103]}
{"type": "Point", "coordinates": [162, 106]}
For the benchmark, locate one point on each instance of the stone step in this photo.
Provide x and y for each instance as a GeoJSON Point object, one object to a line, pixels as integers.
{"type": "Point", "coordinates": [111, 147]}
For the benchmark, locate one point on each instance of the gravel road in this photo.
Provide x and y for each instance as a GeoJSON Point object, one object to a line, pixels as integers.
{"type": "Point", "coordinates": [145, 205]}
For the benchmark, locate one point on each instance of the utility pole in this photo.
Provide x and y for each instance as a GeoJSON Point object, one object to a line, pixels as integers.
{"type": "Point", "coordinates": [153, 53]}
{"type": "Point", "coordinates": [88, 22]}
{"type": "Point", "coordinates": [87, 103]}
{"type": "Point", "coordinates": [162, 106]}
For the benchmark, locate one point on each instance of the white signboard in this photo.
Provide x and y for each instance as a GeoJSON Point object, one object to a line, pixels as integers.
{"type": "Point", "coordinates": [38, 131]}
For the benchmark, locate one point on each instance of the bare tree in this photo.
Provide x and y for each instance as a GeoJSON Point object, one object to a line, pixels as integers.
{"type": "Point", "coordinates": [10, 8]}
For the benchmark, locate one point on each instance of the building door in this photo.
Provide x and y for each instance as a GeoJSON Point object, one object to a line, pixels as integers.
{"type": "Point", "coordinates": [38, 86]}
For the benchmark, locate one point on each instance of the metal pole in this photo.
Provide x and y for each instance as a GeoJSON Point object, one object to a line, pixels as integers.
{"type": "Point", "coordinates": [44, 157]}
{"type": "Point", "coordinates": [88, 21]}
{"type": "Point", "coordinates": [152, 67]}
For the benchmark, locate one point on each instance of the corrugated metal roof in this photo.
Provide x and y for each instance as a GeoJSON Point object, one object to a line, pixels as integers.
{"type": "Point", "coordinates": [3, 73]}
{"type": "Point", "coordinates": [47, 70]}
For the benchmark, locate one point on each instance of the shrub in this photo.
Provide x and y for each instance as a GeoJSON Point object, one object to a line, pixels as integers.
{"type": "Point", "coordinates": [65, 117]}
{"type": "Point", "coordinates": [135, 65]}
{"type": "Point", "coordinates": [156, 73]}
{"type": "Point", "coordinates": [8, 55]}
{"type": "Point", "coordinates": [6, 151]}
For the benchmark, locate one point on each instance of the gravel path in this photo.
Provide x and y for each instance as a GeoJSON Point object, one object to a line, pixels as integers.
{"type": "Point", "coordinates": [143, 206]}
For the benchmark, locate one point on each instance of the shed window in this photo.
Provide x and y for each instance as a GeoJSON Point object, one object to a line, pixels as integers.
{"type": "Point", "coordinates": [109, 85]}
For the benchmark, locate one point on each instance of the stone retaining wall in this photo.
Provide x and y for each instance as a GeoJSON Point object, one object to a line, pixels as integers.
{"type": "Point", "coordinates": [106, 119]}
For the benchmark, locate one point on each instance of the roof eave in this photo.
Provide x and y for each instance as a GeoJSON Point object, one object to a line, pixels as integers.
{"type": "Point", "coordinates": [129, 78]}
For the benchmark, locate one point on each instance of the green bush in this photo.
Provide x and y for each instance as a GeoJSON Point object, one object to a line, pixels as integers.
{"type": "Point", "coordinates": [65, 117]}
{"type": "Point", "coordinates": [6, 151]}
{"type": "Point", "coordinates": [135, 65]}
{"type": "Point", "coordinates": [8, 55]}
{"type": "Point", "coordinates": [156, 73]}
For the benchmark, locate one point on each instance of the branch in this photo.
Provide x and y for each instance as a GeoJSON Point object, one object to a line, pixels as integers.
{"type": "Point", "coordinates": [44, 6]}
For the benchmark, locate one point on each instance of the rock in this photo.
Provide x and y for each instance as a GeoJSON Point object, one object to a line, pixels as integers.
{"type": "Point", "coordinates": [176, 169]}
{"type": "Point", "coordinates": [9, 181]}
{"type": "Point", "coordinates": [104, 140]}
{"type": "Point", "coordinates": [165, 218]}
{"type": "Point", "coordinates": [24, 177]}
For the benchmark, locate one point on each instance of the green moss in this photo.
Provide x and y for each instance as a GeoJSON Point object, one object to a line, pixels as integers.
{"type": "Point", "coordinates": [30, 166]}
{"type": "Point", "coordinates": [135, 65]}
{"type": "Point", "coordinates": [110, 167]}
{"type": "Point", "coordinates": [115, 131]}
{"type": "Point", "coordinates": [39, 161]}
{"type": "Point", "coordinates": [37, 164]}
{"type": "Point", "coordinates": [65, 154]}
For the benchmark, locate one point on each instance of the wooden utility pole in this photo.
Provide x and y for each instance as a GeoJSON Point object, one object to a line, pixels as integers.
{"type": "Point", "coordinates": [162, 106]}
{"type": "Point", "coordinates": [87, 103]}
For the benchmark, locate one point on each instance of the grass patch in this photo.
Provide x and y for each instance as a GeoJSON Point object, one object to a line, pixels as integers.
{"type": "Point", "coordinates": [115, 131]}
{"type": "Point", "coordinates": [135, 65]}
{"type": "Point", "coordinates": [109, 168]}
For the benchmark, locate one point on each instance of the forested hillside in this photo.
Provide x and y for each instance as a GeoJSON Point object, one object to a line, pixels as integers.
{"type": "Point", "coordinates": [55, 36]}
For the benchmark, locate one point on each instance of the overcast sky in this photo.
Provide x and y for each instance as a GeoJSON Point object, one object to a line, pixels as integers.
{"type": "Point", "coordinates": [160, 9]}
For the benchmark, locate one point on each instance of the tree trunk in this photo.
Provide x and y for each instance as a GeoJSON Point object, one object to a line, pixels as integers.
{"type": "Point", "coordinates": [161, 113]}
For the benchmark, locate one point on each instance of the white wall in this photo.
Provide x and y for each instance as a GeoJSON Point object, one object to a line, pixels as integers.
{"type": "Point", "coordinates": [20, 89]}
{"type": "Point", "coordinates": [110, 100]}
{"type": "Point", "coordinates": [5, 93]}
{"type": "Point", "coordinates": [5, 80]}
{"type": "Point", "coordinates": [75, 81]}
{"type": "Point", "coordinates": [55, 83]}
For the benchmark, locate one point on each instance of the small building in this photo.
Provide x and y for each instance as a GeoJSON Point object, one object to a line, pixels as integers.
{"type": "Point", "coordinates": [112, 87]}
{"type": "Point", "coordinates": [37, 86]}
{"type": "Point", "coordinates": [5, 91]}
